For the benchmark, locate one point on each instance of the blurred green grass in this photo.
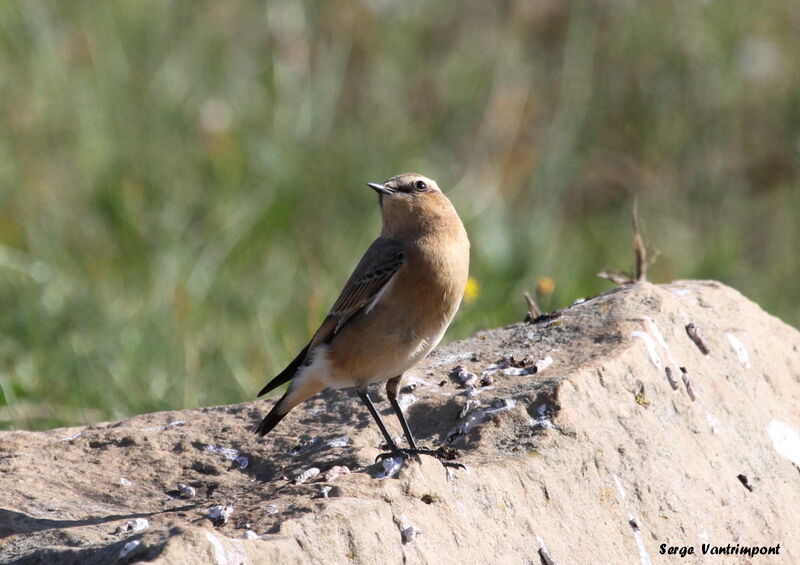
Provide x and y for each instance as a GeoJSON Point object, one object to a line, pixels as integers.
{"type": "Point", "coordinates": [182, 183]}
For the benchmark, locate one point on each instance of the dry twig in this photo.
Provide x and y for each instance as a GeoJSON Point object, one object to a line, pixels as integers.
{"type": "Point", "coordinates": [640, 256]}
{"type": "Point", "coordinates": [533, 309]}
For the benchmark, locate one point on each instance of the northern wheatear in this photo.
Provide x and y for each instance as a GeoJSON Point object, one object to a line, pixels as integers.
{"type": "Point", "coordinates": [394, 308]}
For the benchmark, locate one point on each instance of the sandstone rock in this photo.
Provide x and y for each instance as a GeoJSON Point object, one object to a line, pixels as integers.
{"type": "Point", "coordinates": [581, 449]}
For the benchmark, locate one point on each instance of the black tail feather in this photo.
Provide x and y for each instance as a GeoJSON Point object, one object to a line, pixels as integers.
{"type": "Point", "coordinates": [271, 420]}
{"type": "Point", "coordinates": [286, 375]}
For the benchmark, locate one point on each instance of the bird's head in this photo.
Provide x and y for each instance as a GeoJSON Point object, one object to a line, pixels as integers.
{"type": "Point", "coordinates": [411, 204]}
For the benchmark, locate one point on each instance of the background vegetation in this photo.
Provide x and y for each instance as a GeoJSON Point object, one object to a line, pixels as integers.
{"type": "Point", "coordinates": [182, 183]}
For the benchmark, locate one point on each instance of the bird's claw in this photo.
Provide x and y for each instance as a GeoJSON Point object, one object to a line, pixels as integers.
{"type": "Point", "coordinates": [445, 455]}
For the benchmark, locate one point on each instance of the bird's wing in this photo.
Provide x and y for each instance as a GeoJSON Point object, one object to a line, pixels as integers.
{"type": "Point", "coordinates": [376, 268]}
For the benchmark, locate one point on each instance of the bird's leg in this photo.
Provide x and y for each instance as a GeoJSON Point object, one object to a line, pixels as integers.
{"type": "Point", "coordinates": [444, 455]}
{"type": "Point", "coordinates": [392, 389]}
{"type": "Point", "coordinates": [364, 394]}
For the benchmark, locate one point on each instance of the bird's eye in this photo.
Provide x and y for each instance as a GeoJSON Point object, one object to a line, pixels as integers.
{"type": "Point", "coordinates": [420, 185]}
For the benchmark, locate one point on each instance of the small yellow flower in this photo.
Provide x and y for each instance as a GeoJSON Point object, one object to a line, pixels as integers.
{"type": "Point", "coordinates": [472, 290]}
{"type": "Point", "coordinates": [545, 286]}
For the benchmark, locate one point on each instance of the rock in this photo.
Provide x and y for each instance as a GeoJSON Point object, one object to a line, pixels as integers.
{"type": "Point", "coordinates": [306, 475]}
{"type": "Point", "coordinates": [595, 456]}
{"type": "Point", "coordinates": [335, 471]}
{"type": "Point", "coordinates": [219, 514]}
{"type": "Point", "coordinates": [187, 491]}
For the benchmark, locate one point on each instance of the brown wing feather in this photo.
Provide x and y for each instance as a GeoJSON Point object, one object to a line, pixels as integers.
{"type": "Point", "coordinates": [379, 264]}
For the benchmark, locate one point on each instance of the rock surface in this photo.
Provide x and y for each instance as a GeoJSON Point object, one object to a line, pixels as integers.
{"type": "Point", "coordinates": [596, 455]}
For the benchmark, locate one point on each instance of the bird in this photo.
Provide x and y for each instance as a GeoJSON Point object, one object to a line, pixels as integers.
{"type": "Point", "coordinates": [393, 311]}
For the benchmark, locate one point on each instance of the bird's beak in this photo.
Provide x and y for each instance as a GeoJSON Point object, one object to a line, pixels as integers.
{"type": "Point", "coordinates": [380, 188]}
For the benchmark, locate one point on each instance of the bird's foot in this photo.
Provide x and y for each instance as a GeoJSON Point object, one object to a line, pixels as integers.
{"type": "Point", "coordinates": [445, 455]}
